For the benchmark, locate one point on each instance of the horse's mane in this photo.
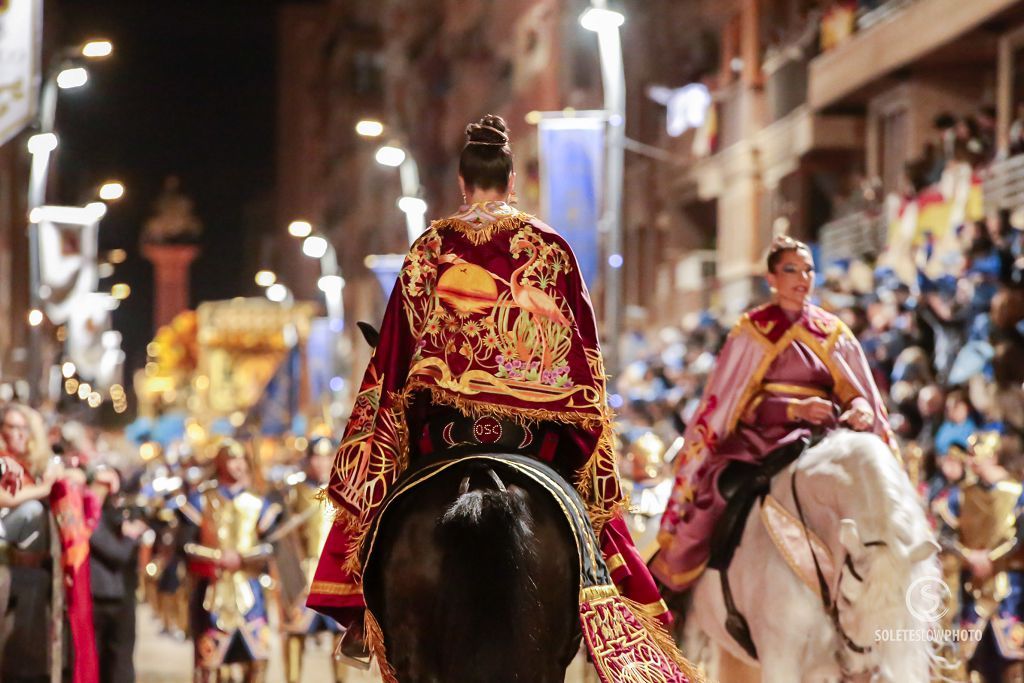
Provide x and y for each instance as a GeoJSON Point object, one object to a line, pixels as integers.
{"type": "Point", "coordinates": [868, 486]}
{"type": "Point", "coordinates": [855, 476]}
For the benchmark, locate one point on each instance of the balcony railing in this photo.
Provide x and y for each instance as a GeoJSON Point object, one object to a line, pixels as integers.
{"type": "Point", "coordinates": [1003, 184]}
{"type": "Point", "coordinates": [883, 12]}
{"type": "Point", "coordinates": [786, 85]}
{"type": "Point", "coordinates": [852, 236]}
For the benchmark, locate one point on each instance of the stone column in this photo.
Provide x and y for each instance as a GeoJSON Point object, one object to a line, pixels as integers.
{"type": "Point", "coordinates": [171, 264]}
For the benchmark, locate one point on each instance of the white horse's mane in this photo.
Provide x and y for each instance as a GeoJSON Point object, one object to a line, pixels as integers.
{"type": "Point", "coordinates": [855, 476]}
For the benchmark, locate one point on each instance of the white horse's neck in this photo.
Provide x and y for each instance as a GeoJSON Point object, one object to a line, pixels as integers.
{"type": "Point", "coordinates": [851, 476]}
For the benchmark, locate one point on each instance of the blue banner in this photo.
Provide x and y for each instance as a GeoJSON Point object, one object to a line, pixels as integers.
{"type": "Point", "coordinates": [571, 172]}
{"type": "Point", "coordinates": [280, 400]}
{"type": "Point", "coordinates": [320, 359]}
{"type": "Point", "coordinates": [386, 267]}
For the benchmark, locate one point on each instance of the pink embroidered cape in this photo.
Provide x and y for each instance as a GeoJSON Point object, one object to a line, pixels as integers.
{"type": "Point", "coordinates": [735, 390]}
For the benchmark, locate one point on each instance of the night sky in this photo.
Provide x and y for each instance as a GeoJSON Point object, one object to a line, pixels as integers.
{"type": "Point", "coordinates": [189, 91]}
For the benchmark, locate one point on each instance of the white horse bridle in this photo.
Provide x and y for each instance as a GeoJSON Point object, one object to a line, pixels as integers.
{"type": "Point", "coordinates": [832, 606]}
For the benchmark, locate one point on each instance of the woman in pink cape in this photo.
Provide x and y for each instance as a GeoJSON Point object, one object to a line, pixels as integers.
{"type": "Point", "coordinates": [787, 367]}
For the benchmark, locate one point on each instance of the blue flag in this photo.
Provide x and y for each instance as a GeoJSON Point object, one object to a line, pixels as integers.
{"type": "Point", "coordinates": [571, 172]}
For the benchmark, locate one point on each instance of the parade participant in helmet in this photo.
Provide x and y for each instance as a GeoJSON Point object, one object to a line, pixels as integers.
{"type": "Point", "coordinates": [313, 523]}
{"type": "Point", "coordinates": [982, 526]}
{"type": "Point", "coordinates": [787, 368]}
{"type": "Point", "coordinates": [488, 342]}
{"type": "Point", "coordinates": [226, 555]}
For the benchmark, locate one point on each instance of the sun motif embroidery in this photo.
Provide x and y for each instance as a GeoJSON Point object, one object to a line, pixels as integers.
{"type": "Point", "coordinates": [467, 289]}
{"type": "Point", "coordinates": [517, 330]}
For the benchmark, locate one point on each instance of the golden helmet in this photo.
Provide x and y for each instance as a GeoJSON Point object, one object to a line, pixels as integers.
{"type": "Point", "coordinates": [647, 456]}
{"type": "Point", "coordinates": [984, 445]}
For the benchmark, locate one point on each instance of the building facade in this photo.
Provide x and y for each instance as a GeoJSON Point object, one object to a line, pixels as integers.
{"type": "Point", "coordinates": [426, 69]}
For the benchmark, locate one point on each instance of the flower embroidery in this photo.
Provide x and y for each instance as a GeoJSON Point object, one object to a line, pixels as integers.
{"type": "Point", "coordinates": [490, 340]}
{"type": "Point", "coordinates": [433, 327]}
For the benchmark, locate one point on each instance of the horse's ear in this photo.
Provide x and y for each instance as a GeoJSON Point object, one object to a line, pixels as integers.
{"type": "Point", "coordinates": [370, 333]}
{"type": "Point", "coordinates": [849, 536]}
{"type": "Point", "coordinates": [922, 551]}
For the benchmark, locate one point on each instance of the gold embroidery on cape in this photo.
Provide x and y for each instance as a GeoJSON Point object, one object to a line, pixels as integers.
{"type": "Point", "coordinates": [797, 332]}
{"type": "Point", "coordinates": [514, 336]}
{"type": "Point", "coordinates": [518, 329]}
{"type": "Point", "coordinates": [766, 327]}
{"type": "Point", "coordinates": [483, 234]}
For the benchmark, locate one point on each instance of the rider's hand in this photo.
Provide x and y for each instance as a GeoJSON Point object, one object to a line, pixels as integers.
{"type": "Point", "coordinates": [815, 410]}
{"type": "Point", "coordinates": [858, 419]}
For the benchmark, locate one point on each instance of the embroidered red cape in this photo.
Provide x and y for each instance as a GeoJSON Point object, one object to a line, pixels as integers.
{"type": "Point", "coordinates": [490, 316]}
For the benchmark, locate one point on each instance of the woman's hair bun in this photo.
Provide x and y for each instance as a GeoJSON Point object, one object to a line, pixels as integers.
{"type": "Point", "coordinates": [489, 130]}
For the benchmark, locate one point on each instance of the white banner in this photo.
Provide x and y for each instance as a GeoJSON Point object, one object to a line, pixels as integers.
{"type": "Point", "coordinates": [68, 244]}
{"type": "Point", "coordinates": [21, 23]}
{"type": "Point", "coordinates": [92, 345]}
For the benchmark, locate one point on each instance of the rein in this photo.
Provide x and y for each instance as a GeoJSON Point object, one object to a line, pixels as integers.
{"type": "Point", "coordinates": [831, 606]}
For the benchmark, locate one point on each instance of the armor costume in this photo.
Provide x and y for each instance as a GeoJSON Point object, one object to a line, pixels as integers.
{"type": "Point", "coordinates": [304, 544]}
{"type": "Point", "coordinates": [981, 516]}
{"type": "Point", "coordinates": [228, 606]}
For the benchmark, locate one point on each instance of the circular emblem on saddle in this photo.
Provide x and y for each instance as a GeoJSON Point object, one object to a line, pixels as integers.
{"type": "Point", "coordinates": [487, 429]}
{"type": "Point", "coordinates": [454, 431]}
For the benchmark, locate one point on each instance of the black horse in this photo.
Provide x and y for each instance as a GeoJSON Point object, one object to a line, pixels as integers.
{"type": "Point", "coordinates": [474, 578]}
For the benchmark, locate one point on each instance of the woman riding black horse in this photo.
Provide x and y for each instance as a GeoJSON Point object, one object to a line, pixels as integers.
{"type": "Point", "coordinates": [488, 344]}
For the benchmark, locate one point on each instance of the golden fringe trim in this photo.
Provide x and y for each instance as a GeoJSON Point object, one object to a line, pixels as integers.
{"type": "Point", "coordinates": [375, 641]}
{"type": "Point", "coordinates": [522, 416]}
{"type": "Point", "coordinates": [663, 640]}
{"type": "Point", "coordinates": [483, 234]}
{"type": "Point", "coordinates": [600, 512]}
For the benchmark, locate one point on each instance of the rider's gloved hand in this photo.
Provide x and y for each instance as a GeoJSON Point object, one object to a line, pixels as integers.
{"type": "Point", "coordinates": [858, 417]}
{"type": "Point", "coordinates": [816, 411]}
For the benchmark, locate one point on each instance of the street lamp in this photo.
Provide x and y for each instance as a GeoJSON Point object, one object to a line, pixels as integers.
{"type": "Point", "coordinates": [315, 246]}
{"type": "Point", "coordinates": [370, 128]}
{"type": "Point", "coordinates": [112, 190]}
{"type": "Point", "coordinates": [413, 205]}
{"type": "Point", "coordinates": [97, 49]}
{"type": "Point", "coordinates": [300, 229]}
{"type": "Point", "coordinates": [414, 208]}
{"type": "Point", "coordinates": [278, 293]}
{"type": "Point", "coordinates": [599, 19]}
{"type": "Point", "coordinates": [266, 278]}
{"type": "Point", "coordinates": [606, 23]}
{"type": "Point", "coordinates": [74, 77]}
{"type": "Point", "coordinates": [390, 155]}
{"type": "Point", "coordinates": [42, 143]}
{"type": "Point", "coordinates": [67, 71]}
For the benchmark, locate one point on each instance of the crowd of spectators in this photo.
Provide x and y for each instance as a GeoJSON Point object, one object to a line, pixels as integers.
{"type": "Point", "coordinates": [946, 345]}
{"type": "Point", "coordinates": [62, 511]}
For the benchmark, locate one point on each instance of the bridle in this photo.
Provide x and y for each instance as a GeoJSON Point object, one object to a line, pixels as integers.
{"type": "Point", "coordinates": [832, 606]}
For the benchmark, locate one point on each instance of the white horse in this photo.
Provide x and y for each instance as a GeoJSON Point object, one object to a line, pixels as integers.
{"type": "Point", "coordinates": [858, 500]}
